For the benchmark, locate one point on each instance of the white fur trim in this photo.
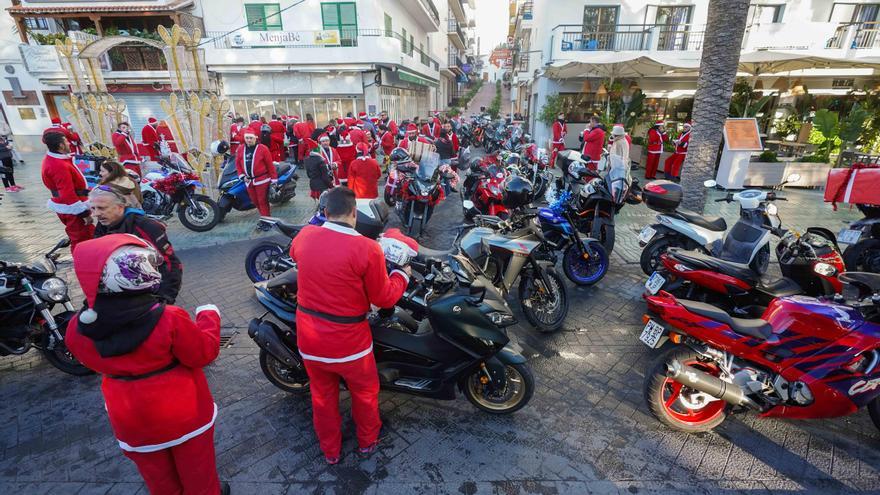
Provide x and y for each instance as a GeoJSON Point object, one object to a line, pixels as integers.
{"type": "Point", "coordinates": [260, 182]}
{"type": "Point", "coordinates": [72, 209]}
{"type": "Point", "coordinates": [61, 156]}
{"type": "Point", "coordinates": [400, 272]}
{"type": "Point", "coordinates": [655, 152]}
{"type": "Point", "coordinates": [170, 443]}
{"type": "Point", "coordinates": [207, 307]}
{"type": "Point", "coordinates": [345, 359]}
{"type": "Point", "coordinates": [341, 229]}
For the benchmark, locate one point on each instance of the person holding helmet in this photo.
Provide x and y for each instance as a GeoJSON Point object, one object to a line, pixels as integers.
{"type": "Point", "coordinates": [253, 161]}
{"type": "Point", "coordinates": [364, 173]}
{"type": "Point", "coordinates": [151, 356]}
{"type": "Point", "coordinates": [340, 275]}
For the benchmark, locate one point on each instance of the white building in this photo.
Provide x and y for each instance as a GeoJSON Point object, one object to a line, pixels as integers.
{"type": "Point", "coordinates": [564, 47]}
{"type": "Point", "coordinates": [324, 58]}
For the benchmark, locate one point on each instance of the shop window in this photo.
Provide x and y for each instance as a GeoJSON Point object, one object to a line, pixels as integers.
{"type": "Point", "coordinates": [263, 16]}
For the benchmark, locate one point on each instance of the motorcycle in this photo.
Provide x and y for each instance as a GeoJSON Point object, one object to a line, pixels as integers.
{"type": "Point", "coordinates": [682, 228]}
{"type": "Point", "coordinates": [482, 191]}
{"type": "Point", "coordinates": [233, 190]}
{"type": "Point", "coordinates": [28, 294]}
{"type": "Point", "coordinates": [804, 358]}
{"type": "Point", "coordinates": [863, 241]}
{"type": "Point", "coordinates": [269, 258]}
{"type": "Point", "coordinates": [420, 190]}
{"type": "Point", "coordinates": [174, 188]}
{"type": "Point", "coordinates": [454, 337]}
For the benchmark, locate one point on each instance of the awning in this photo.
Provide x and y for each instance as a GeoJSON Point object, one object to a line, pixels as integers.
{"type": "Point", "coordinates": [404, 76]}
{"type": "Point", "coordinates": [97, 8]}
{"type": "Point", "coordinates": [772, 62]}
{"type": "Point", "coordinates": [621, 65]}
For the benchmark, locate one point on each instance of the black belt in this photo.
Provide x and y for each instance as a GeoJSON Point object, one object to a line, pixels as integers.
{"type": "Point", "coordinates": [130, 378]}
{"type": "Point", "coordinates": [333, 318]}
{"type": "Point", "coordinates": [78, 192]}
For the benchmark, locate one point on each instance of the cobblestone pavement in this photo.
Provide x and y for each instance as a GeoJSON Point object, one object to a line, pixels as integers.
{"type": "Point", "coordinates": [586, 430]}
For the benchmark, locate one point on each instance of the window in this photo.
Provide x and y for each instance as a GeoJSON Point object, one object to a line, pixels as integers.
{"type": "Point", "coordinates": [766, 14]}
{"type": "Point", "coordinates": [389, 27]}
{"type": "Point", "coordinates": [343, 17]}
{"type": "Point", "coordinates": [403, 40]}
{"type": "Point", "coordinates": [412, 42]}
{"type": "Point", "coordinates": [673, 24]}
{"type": "Point", "coordinates": [599, 26]}
{"type": "Point", "coordinates": [263, 16]}
{"type": "Point", "coordinates": [36, 23]}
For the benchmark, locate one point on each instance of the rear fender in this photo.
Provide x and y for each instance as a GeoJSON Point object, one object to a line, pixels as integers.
{"type": "Point", "coordinates": [272, 339]}
{"type": "Point", "coordinates": [703, 237]}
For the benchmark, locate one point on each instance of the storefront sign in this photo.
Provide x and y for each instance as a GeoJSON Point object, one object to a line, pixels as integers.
{"type": "Point", "coordinates": [742, 135]}
{"type": "Point", "coordinates": [248, 39]}
{"type": "Point", "coordinates": [40, 58]}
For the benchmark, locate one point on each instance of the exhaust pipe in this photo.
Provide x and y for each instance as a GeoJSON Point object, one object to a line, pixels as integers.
{"type": "Point", "coordinates": [708, 384]}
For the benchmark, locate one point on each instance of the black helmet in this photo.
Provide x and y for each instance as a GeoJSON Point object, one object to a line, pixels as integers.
{"type": "Point", "coordinates": [517, 192]}
{"type": "Point", "coordinates": [399, 156]}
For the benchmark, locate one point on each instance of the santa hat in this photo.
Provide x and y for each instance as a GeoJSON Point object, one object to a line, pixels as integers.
{"type": "Point", "coordinates": [374, 120]}
{"type": "Point", "coordinates": [689, 123]}
{"type": "Point", "coordinates": [349, 121]}
{"type": "Point", "coordinates": [56, 120]}
{"type": "Point", "coordinates": [660, 122]}
{"type": "Point", "coordinates": [295, 117]}
{"type": "Point", "coordinates": [361, 115]}
{"type": "Point", "coordinates": [111, 264]}
{"type": "Point", "coordinates": [411, 128]}
{"type": "Point", "coordinates": [309, 143]}
{"type": "Point", "coordinates": [65, 125]}
{"type": "Point", "coordinates": [249, 132]}
{"type": "Point", "coordinates": [152, 120]}
{"type": "Point", "coordinates": [362, 149]}
{"type": "Point", "coordinates": [324, 137]}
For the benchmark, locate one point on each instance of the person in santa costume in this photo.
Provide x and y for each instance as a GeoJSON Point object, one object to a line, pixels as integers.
{"type": "Point", "coordinates": [594, 142]}
{"type": "Point", "coordinates": [253, 161]}
{"type": "Point", "coordinates": [303, 130]}
{"type": "Point", "coordinates": [166, 137]}
{"type": "Point", "coordinates": [277, 138]}
{"type": "Point", "coordinates": [340, 275]}
{"type": "Point", "coordinates": [345, 148]}
{"type": "Point", "coordinates": [293, 147]}
{"type": "Point", "coordinates": [557, 141]}
{"type": "Point", "coordinates": [151, 357]}
{"type": "Point", "coordinates": [389, 122]}
{"type": "Point", "coordinates": [412, 136]}
{"type": "Point", "coordinates": [126, 148]}
{"type": "Point", "coordinates": [330, 156]}
{"type": "Point", "coordinates": [150, 138]}
{"type": "Point", "coordinates": [68, 187]}
{"type": "Point", "coordinates": [387, 141]}
{"type": "Point", "coordinates": [364, 173]}
{"type": "Point", "coordinates": [56, 126]}
{"type": "Point", "coordinates": [656, 137]}
{"type": "Point", "coordinates": [235, 134]}
{"type": "Point", "coordinates": [74, 139]}
{"type": "Point", "coordinates": [672, 165]}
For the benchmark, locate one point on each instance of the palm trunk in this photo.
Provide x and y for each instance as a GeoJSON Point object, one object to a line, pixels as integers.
{"type": "Point", "coordinates": [721, 47]}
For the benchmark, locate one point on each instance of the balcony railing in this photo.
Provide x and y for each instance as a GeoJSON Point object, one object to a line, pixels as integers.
{"type": "Point", "coordinates": [867, 36]}
{"type": "Point", "coordinates": [632, 37]}
{"type": "Point", "coordinates": [136, 58]}
{"type": "Point", "coordinates": [429, 4]}
{"type": "Point", "coordinates": [525, 11]}
{"type": "Point", "coordinates": [454, 27]}
{"type": "Point", "coordinates": [454, 61]}
{"type": "Point", "coordinates": [347, 38]}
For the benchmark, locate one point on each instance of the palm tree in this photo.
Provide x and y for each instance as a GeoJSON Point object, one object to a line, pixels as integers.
{"type": "Point", "coordinates": [721, 46]}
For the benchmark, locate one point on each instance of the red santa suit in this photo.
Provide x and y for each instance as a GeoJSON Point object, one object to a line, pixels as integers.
{"type": "Point", "coordinates": [234, 137]}
{"type": "Point", "coordinates": [557, 142]}
{"type": "Point", "coordinates": [346, 151]}
{"type": "Point", "coordinates": [277, 134]}
{"type": "Point", "coordinates": [656, 138]}
{"type": "Point", "coordinates": [150, 138]}
{"type": "Point", "coordinates": [594, 141]}
{"type": "Point", "coordinates": [672, 165]}
{"type": "Point", "coordinates": [258, 172]}
{"type": "Point", "coordinates": [392, 125]}
{"type": "Point", "coordinates": [302, 130]}
{"type": "Point", "coordinates": [363, 175]}
{"type": "Point", "coordinates": [76, 144]}
{"type": "Point", "coordinates": [340, 274]}
{"type": "Point", "coordinates": [166, 135]}
{"type": "Point", "coordinates": [156, 395]}
{"type": "Point", "coordinates": [127, 151]}
{"type": "Point", "coordinates": [331, 158]}
{"type": "Point", "coordinates": [70, 194]}
{"type": "Point", "coordinates": [387, 142]}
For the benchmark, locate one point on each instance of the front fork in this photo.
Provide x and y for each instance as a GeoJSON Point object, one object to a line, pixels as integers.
{"type": "Point", "coordinates": [40, 305]}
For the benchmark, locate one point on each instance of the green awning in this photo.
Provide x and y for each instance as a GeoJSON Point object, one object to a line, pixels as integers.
{"type": "Point", "coordinates": [415, 79]}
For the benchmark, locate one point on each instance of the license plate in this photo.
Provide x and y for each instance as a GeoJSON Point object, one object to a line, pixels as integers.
{"type": "Point", "coordinates": [848, 236]}
{"type": "Point", "coordinates": [652, 333]}
{"type": "Point", "coordinates": [654, 283]}
{"type": "Point", "coordinates": [646, 234]}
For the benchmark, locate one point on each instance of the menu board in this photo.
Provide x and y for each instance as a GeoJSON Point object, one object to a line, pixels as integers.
{"type": "Point", "coordinates": [742, 135]}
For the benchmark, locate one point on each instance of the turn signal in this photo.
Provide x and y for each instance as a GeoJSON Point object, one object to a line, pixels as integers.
{"type": "Point", "coordinates": [645, 319]}
{"type": "Point", "coordinates": [676, 338]}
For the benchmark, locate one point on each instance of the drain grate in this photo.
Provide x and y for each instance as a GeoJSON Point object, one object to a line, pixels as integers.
{"type": "Point", "coordinates": [226, 340]}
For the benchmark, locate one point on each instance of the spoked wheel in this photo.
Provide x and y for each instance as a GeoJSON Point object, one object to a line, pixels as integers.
{"type": "Point", "coordinates": [293, 380]}
{"type": "Point", "coordinates": [60, 356]}
{"type": "Point", "coordinates": [678, 406]}
{"type": "Point", "coordinates": [202, 217]}
{"type": "Point", "coordinates": [545, 307]}
{"type": "Point", "coordinates": [585, 266]}
{"type": "Point", "coordinates": [518, 388]}
{"type": "Point", "coordinates": [261, 262]}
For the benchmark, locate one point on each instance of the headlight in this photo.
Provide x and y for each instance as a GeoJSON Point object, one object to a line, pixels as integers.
{"type": "Point", "coordinates": [53, 289]}
{"type": "Point", "coordinates": [501, 318]}
{"type": "Point", "coordinates": [824, 269]}
{"type": "Point", "coordinates": [772, 209]}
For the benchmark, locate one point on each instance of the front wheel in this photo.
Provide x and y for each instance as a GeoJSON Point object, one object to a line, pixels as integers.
{"type": "Point", "coordinates": [201, 216]}
{"type": "Point", "coordinates": [293, 380]}
{"type": "Point", "coordinates": [677, 406]}
{"type": "Point", "coordinates": [603, 230]}
{"type": "Point", "coordinates": [519, 386]}
{"type": "Point", "coordinates": [585, 265]}
{"type": "Point", "coordinates": [863, 256]}
{"type": "Point", "coordinates": [545, 307]}
{"type": "Point", "coordinates": [60, 356]}
{"type": "Point", "coordinates": [261, 262]}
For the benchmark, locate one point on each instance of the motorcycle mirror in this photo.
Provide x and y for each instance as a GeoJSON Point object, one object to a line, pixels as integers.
{"type": "Point", "coordinates": [710, 183]}
{"type": "Point", "coordinates": [63, 243]}
{"type": "Point", "coordinates": [467, 204]}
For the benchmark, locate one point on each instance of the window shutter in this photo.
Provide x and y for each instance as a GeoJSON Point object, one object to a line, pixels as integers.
{"type": "Point", "coordinates": [273, 16]}
{"type": "Point", "coordinates": [255, 18]}
{"type": "Point", "coordinates": [330, 15]}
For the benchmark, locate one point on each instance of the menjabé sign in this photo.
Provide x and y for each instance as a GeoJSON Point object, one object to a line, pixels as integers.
{"type": "Point", "coordinates": [248, 39]}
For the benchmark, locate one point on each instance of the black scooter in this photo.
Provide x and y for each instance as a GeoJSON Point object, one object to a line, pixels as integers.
{"type": "Point", "coordinates": [448, 330]}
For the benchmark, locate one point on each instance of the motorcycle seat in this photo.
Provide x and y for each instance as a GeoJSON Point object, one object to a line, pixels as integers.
{"type": "Point", "coordinates": [282, 168]}
{"type": "Point", "coordinates": [756, 327]}
{"type": "Point", "coordinates": [286, 279]}
{"type": "Point", "coordinates": [716, 224]}
{"type": "Point", "coordinates": [704, 261]}
{"type": "Point", "coordinates": [434, 254]}
{"type": "Point", "coordinates": [781, 287]}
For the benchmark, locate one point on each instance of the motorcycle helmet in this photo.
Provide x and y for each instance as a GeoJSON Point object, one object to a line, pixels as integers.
{"type": "Point", "coordinates": [527, 138]}
{"type": "Point", "coordinates": [517, 192]}
{"type": "Point", "coordinates": [512, 159]}
{"type": "Point", "coordinates": [219, 147]}
{"type": "Point", "coordinates": [400, 156]}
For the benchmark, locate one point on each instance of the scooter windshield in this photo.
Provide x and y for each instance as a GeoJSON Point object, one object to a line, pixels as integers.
{"type": "Point", "coordinates": [618, 179]}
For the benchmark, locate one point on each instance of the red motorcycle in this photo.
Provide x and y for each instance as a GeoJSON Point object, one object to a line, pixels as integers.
{"type": "Point", "coordinates": [804, 358]}
{"type": "Point", "coordinates": [483, 189]}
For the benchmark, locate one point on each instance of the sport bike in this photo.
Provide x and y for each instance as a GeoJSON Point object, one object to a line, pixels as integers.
{"type": "Point", "coordinates": [171, 189]}
{"type": "Point", "coordinates": [804, 358]}
{"type": "Point", "coordinates": [233, 190]}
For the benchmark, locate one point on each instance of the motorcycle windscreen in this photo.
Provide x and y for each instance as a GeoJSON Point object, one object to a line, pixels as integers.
{"type": "Point", "coordinates": [618, 178]}
{"type": "Point", "coordinates": [429, 164]}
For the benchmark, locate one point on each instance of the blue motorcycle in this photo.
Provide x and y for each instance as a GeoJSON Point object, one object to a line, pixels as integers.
{"type": "Point", "coordinates": [584, 261]}
{"type": "Point", "coordinates": [233, 190]}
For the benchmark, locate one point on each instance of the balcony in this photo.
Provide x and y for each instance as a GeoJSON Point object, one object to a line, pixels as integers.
{"type": "Point", "coordinates": [524, 17]}
{"type": "Point", "coordinates": [455, 34]}
{"type": "Point", "coordinates": [353, 47]}
{"type": "Point", "coordinates": [454, 62]}
{"type": "Point", "coordinates": [457, 8]}
{"type": "Point", "coordinates": [856, 36]}
{"type": "Point", "coordinates": [629, 37]}
{"type": "Point", "coordinates": [424, 12]}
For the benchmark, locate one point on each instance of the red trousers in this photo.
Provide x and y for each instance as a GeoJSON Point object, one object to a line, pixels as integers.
{"type": "Point", "coordinates": [672, 165]}
{"type": "Point", "coordinates": [554, 151]}
{"type": "Point", "coordinates": [260, 197]}
{"type": "Point", "coordinates": [186, 469]}
{"type": "Point", "coordinates": [362, 381]}
{"type": "Point", "coordinates": [77, 229]}
{"type": "Point", "coordinates": [651, 165]}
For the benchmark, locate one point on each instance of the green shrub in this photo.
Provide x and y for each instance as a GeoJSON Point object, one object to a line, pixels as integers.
{"type": "Point", "coordinates": [48, 39]}
{"type": "Point", "coordinates": [638, 140]}
{"type": "Point", "coordinates": [813, 159]}
{"type": "Point", "coordinates": [768, 156]}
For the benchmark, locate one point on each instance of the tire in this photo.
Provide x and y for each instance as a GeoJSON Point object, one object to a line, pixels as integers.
{"type": "Point", "coordinates": [669, 409]}
{"type": "Point", "coordinates": [60, 357]}
{"type": "Point", "coordinates": [874, 411]}
{"type": "Point", "coordinates": [202, 221]}
{"type": "Point", "coordinates": [291, 380]}
{"type": "Point", "coordinates": [589, 271]}
{"type": "Point", "coordinates": [559, 301]}
{"type": "Point", "coordinates": [650, 258]}
{"type": "Point", "coordinates": [761, 262]}
{"type": "Point", "coordinates": [518, 390]}
{"type": "Point", "coordinates": [604, 232]}
{"type": "Point", "coordinates": [863, 256]}
{"type": "Point", "coordinates": [258, 256]}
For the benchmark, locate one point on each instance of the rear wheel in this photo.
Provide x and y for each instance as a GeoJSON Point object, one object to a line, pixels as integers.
{"type": "Point", "coordinates": [60, 356]}
{"type": "Point", "coordinates": [292, 380]}
{"type": "Point", "coordinates": [519, 386]}
{"type": "Point", "coordinates": [863, 256]}
{"type": "Point", "coordinates": [585, 266]}
{"type": "Point", "coordinates": [202, 217]}
{"type": "Point", "coordinates": [650, 258]}
{"type": "Point", "coordinates": [677, 406]}
{"type": "Point", "coordinates": [545, 307]}
{"type": "Point", "coordinates": [261, 261]}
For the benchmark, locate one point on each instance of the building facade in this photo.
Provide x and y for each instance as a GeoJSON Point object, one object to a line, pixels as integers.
{"type": "Point", "coordinates": [574, 48]}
